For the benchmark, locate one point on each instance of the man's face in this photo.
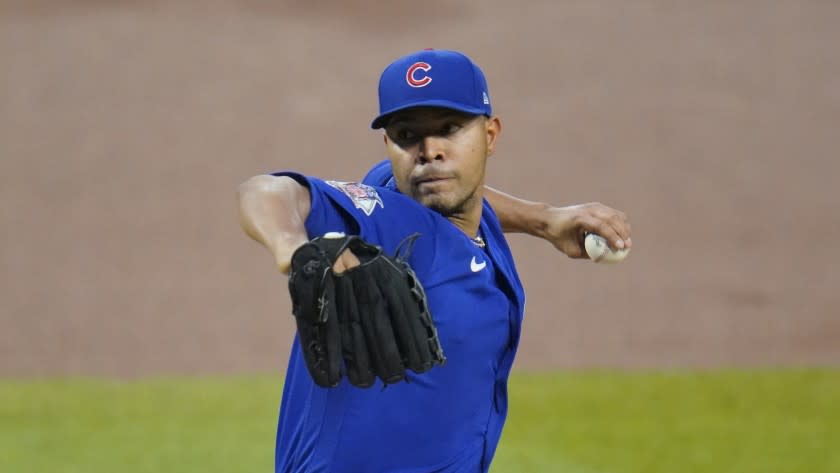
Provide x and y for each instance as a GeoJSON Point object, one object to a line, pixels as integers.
{"type": "Point", "coordinates": [438, 156]}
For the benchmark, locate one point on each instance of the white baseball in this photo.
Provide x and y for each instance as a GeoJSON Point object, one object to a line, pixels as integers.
{"type": "Point", "coordinates": [599, 250]}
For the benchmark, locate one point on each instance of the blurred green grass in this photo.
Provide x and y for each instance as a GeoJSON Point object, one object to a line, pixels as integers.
{"type": "Point", "coordinates": [576, 422]}
{"type": "Point", "coordinates": [731, 421]}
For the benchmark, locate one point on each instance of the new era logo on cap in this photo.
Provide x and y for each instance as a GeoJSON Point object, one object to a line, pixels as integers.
{"type": "Point", "coordinates": [432, 78]}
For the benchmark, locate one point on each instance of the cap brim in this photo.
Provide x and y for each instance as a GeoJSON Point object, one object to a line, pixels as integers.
{"type": "Point", "coordinates": [382, 119]}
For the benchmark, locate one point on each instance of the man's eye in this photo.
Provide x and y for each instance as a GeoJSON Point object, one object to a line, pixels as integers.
{"type": "Point", "coordinates": [406, 135]}
{"type": "Point", "coordinates": [450, 128]}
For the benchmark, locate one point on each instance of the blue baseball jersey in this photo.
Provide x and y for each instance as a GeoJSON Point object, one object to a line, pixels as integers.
{"type": "Point", "coordinates": [448, 419]}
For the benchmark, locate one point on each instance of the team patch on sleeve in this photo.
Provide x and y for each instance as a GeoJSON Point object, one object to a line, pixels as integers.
{"type": "Point", "coordinates": [364, 197]}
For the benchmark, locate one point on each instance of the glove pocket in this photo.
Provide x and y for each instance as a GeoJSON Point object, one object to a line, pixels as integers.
{"type": "Point", "coordinates": [405, 314]}
{"type": "Point", "coordinates": [354, 347]}
{"type": "Point", "coordinates": [385, 356]}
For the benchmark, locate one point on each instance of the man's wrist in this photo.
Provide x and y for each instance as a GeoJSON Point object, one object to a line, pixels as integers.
{"type": "Point", "coordinates": [537, 219]}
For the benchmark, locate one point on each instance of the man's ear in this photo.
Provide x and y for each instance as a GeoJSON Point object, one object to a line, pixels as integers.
{"type": "Point", "coordinates": [494, 128]}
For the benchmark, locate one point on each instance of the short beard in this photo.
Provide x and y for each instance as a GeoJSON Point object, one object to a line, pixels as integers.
{"type": "Point", "coordinates": [457, 209]}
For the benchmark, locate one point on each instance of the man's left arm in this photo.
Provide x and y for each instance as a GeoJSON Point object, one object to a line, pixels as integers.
{"type": "Point", "coordinates": [564, 227]}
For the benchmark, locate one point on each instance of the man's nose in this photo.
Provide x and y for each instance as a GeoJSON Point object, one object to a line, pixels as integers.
{"type": "Point", "coordinates": [431, 149]}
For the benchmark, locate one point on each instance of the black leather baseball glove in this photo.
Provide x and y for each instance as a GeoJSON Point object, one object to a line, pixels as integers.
{"type": "Point", "coordinates": [372, 321]}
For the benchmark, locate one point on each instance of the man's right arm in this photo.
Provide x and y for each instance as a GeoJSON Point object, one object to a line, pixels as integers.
{"type": "Point", "coordinates": [273, 211]}
{"type": "Point", "coordinates": [564, 227]}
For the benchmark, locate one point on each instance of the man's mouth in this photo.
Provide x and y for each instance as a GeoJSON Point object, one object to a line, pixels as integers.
{"type": "Point", "coordinates": [430, 181]}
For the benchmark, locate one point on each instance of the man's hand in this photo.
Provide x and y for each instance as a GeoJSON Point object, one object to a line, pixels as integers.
{"type": "Point", "coordinates": [566, 227]}
{"type": "Point", "coordinates": [346, 260]}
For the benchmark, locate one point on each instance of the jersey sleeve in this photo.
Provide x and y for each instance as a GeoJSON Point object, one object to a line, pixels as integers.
{"type": "Point", "coordinates": [380, 216]}
{"type": "Point", "coordinates": [326, 212]}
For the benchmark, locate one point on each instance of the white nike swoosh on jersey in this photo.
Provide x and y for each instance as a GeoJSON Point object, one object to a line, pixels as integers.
{"type": "Point", "coordinates": [476, 267]}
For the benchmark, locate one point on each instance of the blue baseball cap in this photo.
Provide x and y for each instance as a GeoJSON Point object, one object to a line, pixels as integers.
{"type": "Point", "coordinates": [432, 78]}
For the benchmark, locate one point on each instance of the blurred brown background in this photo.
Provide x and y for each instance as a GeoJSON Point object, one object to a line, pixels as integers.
{"type": "Point", "coordinates": [125, 128]}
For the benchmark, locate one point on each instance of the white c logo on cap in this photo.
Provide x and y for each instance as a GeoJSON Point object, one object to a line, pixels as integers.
{"type": "Point", "coordinates": [414, 81]}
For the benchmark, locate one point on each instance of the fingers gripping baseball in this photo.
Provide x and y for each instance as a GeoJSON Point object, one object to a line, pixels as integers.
{"type": "Point", "coordinates": [610, 223]}
{"type": "Point", "coordinates": [568, 226]}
